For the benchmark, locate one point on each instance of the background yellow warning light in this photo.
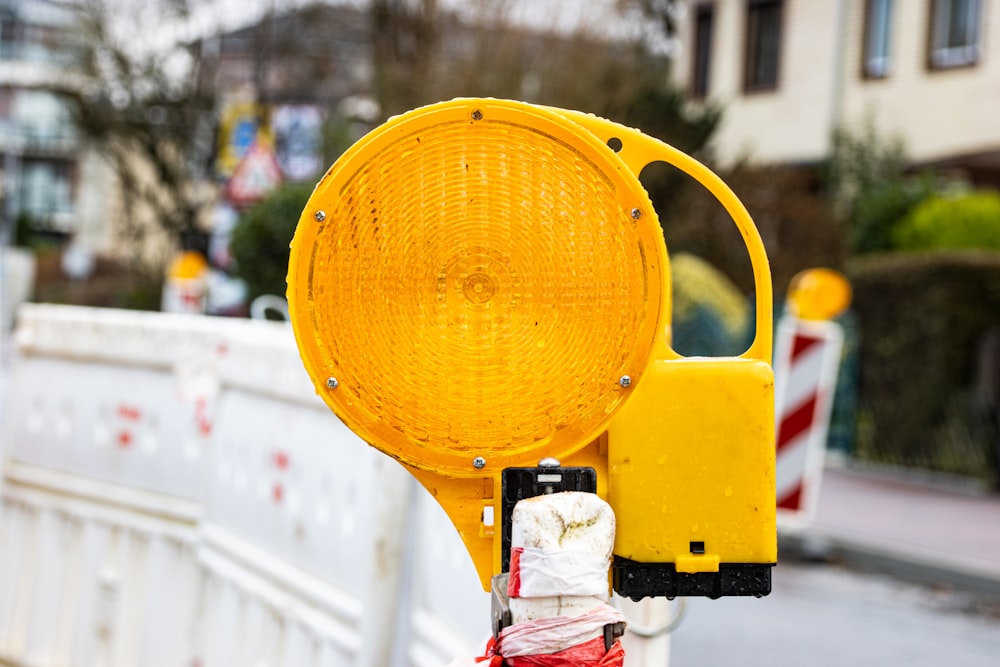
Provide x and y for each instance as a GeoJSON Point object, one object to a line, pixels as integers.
{"type": "Point", "coordinates": [187, 265]}
{"type": "Point", "coordinates": [475, 282]}
{"type": "Point", "coordinates": [819, 294]}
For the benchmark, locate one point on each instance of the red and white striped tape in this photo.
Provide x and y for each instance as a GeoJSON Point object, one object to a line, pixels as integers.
{"type": "Point", "coordinates": [539, 572]}
{"type": "Point", "coordinates": [807, 360]}
{"type": "Point", "coordinates": [580, 637]}
{"type": "Point", "coordinates": [560, 641]}
{"type": "Point", "coordinates": [558, 586]}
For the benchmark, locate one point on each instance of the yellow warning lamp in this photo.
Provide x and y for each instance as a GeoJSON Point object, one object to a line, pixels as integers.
{"type": "Point", "coordinates": [479, 286]}
{"type": "Point", "coordinates": [187, 265]}
{"type": "Point", "coordinates": [818, 294]}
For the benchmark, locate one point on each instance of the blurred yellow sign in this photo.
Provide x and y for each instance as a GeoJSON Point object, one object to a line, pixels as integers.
{"type": "Point", "coordinates": [239, 127]}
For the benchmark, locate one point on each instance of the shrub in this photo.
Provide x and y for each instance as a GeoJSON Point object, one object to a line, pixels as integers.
{"type": "Point", "coordinates": [869, 187]}
{"type": "Point", "coordinates": [878, 210]}
{"type": "Point", "coordinates": [260, 240]}
{"type": "Point", "coordinates": [924, 318]}
{"type": "Point", "coordinates": [971, 220]}
{"type": "Point", "coordinates": [710, 316]}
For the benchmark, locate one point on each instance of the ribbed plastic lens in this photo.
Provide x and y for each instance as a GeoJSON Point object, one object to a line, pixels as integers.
{"type": "Point", "coordinates": [477, 286]}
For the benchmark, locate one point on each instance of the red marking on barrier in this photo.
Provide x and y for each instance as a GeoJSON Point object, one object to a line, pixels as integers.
{"type": "Point", "coordinates": [125, 439]}
{"type": "Point", "coordinates": [800, 344]}
{"type": "Point", "coordinates": [129, 412]}
{"type": "Point", "coordinates": [191, 298]}
{"type": "Point", "coordinates": [793, 499]}
{"type": "Point", "coordinates": [797, 422]}
{"type": "Point", "coordinates": [281, 460]}
{"type": "Point", "coordinates": [808, 374]}
{"type": "Point", "coordinates": [222, 349]}
{"type": "Point", "coordinates": [277, 493]}
{"type": "Point", "coordinates": [201, 419]}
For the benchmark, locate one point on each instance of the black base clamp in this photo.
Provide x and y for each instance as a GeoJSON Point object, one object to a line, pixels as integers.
{"type": "Point", "coordinates": [499, 604]}
{"type": "Point", "coordinates": [612, 633]}
{"type": "Point", "coordinates": [520, 483]}
{"type": "Point", "coordinates": [636, 580]}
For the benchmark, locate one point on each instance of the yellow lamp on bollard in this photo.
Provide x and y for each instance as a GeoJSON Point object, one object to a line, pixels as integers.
{"type": "Point", "coordinates": [819, 294]}
{"type": "Point", "coordinates": [185, 289]}
{"type": "Point", "coordinates": [480, 286]}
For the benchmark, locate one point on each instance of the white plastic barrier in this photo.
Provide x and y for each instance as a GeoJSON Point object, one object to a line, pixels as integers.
{"type": "Point", "coordinates": [17, 277]}
{"type": "Point", "coordinates": [174, 493]}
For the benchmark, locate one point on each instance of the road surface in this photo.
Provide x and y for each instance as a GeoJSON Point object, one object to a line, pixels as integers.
{"type": "Point", "coordinates": [825, 615]}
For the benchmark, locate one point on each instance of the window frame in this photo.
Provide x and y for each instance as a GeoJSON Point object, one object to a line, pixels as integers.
{"type": "Point", "coordinates": [702, 43]}
{"type": "Point", "coordinates": [752, 51]}
{"type": "Point", "coordinates": [876, 47]}
{"type": "Point", "coordinates": [941, 55]}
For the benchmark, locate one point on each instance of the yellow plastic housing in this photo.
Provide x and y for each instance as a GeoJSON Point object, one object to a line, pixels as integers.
{"type": "Point", "coordinates": [476, 285]}
{"type": "Point", "coordinates": [691, 455]}
{"type": "Point", "coordinates": [691, 459]}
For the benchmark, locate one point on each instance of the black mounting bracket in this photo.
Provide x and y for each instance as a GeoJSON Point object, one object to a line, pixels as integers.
{"type": "Point", "coordinates": [520, 483]}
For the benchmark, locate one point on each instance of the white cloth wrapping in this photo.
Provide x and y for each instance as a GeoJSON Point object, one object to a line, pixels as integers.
{"type": "Point", "coordinates": [545, 572]}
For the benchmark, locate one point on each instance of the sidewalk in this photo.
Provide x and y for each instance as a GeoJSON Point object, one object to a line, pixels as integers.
{"type": "Point", "coordinates": [909, 528]}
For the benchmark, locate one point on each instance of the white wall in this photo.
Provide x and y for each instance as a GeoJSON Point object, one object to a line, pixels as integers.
{"type": "Point", "coordinates": [937, 113]}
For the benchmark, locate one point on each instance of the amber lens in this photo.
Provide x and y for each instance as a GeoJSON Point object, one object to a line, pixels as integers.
{"type": "Point", "coordinates": [818, 294]}
{"type": "Point", "coordinates": [477, 278]}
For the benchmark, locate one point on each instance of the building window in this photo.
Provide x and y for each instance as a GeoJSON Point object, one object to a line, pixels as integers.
{"type": "Point", "coordinates": [954, 34]}
{"type": "Point", "coordinates": [763, 45]}
{"type": "Point", "coordinates": [875, 60]}
{"type": "Point", "coordinates": [46, 191]}
{"type": "Point", "coordinates": [704, 21]}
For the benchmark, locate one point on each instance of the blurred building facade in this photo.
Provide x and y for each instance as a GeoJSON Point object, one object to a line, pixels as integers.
{"type": "Point", "coordinates": [291, 90]}
{"type": "Point", "coordinates": [788, 72]}
{"type": "Point", "coordinates": [51, 181]}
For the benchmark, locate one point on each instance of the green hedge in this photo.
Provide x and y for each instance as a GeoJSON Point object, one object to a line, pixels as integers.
{"type": "Point", "coordinates": [924, 317]}
{"type": "Point", "coordinates": [971, 220]}
{"type": "Point", "coordinates": [260, 240]}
